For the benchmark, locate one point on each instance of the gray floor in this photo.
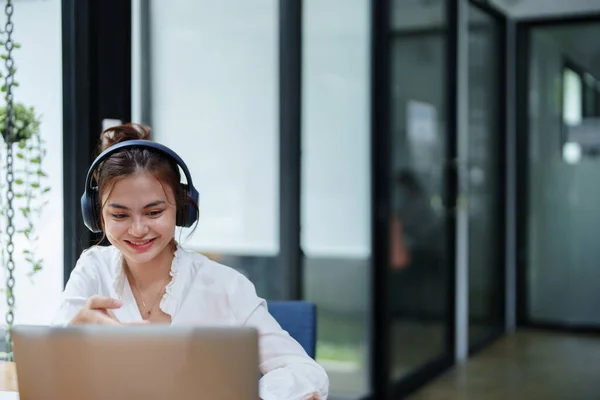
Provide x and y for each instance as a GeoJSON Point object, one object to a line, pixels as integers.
{"type": "Point", "coordinates": [526, 365]}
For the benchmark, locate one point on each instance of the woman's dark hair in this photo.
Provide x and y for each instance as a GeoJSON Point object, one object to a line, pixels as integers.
{"type": "Point", "coordinates": [133, 160]}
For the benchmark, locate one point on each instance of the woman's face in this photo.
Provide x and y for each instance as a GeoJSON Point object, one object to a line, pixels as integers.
{"type": "Point", "coordinates": [139, 217]}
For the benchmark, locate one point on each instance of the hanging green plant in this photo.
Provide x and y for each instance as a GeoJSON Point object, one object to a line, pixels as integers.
{"type": "Point", "coordinates": [21, 176]}
{"type": "Point", "coordinates": [28, 197]}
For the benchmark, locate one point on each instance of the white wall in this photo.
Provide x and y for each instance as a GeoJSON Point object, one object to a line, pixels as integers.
{"type": "Point", "coordinates": [563, 214]}
{"type": "Point", "coordinates": [39, 73]}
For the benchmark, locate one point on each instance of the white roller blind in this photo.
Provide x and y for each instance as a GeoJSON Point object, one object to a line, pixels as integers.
{"type": "Point", "coordinates": [214, 101]}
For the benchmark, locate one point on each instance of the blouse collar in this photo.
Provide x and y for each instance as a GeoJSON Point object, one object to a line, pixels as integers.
{"type": "Point", "coordinates": [176, 289]}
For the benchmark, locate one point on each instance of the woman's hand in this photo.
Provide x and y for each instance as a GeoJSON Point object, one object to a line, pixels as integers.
{"type": "Point", "coordinates": [97, 311]}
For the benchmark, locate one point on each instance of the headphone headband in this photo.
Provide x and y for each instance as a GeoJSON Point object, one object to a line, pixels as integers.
{"type": "Point", "coordinates": [90, 206]}
{"type": "Point", "coordinates": [140, 143]}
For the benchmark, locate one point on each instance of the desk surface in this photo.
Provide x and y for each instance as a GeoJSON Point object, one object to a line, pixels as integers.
{"type": "Point", "coordinates": [8, 377]}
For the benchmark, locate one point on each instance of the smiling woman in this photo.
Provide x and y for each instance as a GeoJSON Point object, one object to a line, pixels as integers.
{"type": "Point", "coordinates": [137, 202]}
{"type": "Point", "coordinates": [134, 195]}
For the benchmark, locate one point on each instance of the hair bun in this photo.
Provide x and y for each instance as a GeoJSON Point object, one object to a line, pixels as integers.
{"type": "Point", "coordinates": [122, 133]}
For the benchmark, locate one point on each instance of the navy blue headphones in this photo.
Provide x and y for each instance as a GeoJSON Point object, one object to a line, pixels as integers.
{"type": "Point", "coordinates": [90, 204]}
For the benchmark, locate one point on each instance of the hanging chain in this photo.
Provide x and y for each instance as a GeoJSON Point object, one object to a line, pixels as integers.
{"type": "Point", "coordinates": [9, 127]}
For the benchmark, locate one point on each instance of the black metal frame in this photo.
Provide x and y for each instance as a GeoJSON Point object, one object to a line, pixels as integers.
{"type": "Point", "coordinates": [524, 28]}
{"type": "Point", "coordinates": [379, 362]}
{"type": "Point", "coordinates": [452, 191]}
{"type": "Point", "coordinates": [75, 117]}
{"type": "Point", "coordinates": [522, 116]}
{"type": "Point", "coordinates": [96, 85]}
{"type": "Point", "coordinates": [290, 131]}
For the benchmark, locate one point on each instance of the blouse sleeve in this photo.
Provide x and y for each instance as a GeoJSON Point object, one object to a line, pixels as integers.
{"type": "Point", "coordinates": [82, 284]}
{"type": "Point", "coordinates": [289, 373]}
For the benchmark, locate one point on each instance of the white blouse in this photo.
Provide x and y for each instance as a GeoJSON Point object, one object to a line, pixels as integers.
{"type": "Point", "coordinates": [202, 292]}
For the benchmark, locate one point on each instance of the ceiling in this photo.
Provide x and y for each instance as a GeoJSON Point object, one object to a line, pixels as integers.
{"type": "Point", "coordinates": [426, 14]}
{"type": "Point", "coordinates": [545, 8]}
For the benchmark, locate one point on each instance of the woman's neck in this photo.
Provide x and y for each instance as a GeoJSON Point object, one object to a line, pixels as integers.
{"type": "Point", "coordinates": [147, 274]}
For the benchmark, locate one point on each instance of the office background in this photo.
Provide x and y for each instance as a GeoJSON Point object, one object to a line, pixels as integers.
{"type": "Point", "coordinates": [311, 127]}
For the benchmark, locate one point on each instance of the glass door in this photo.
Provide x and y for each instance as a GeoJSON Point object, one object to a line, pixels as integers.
{"type": "Point", "coordinates": [419, 275]}
{"type": "Point", "coordinates": [485, 176]}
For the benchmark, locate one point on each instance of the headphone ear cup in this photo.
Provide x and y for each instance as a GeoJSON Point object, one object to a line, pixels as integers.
{"type": "Point", "coordinates": [95, 207]}
{"type": "Point", "coordinates": [90, 210]}
{"type": "Point", "coordinates": [182, 209]}
{"type": "Point", "coordinates": [186, 214]}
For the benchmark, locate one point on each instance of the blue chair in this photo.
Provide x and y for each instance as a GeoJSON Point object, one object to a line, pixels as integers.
{"type": "Point", "coordinates": [299, 319]}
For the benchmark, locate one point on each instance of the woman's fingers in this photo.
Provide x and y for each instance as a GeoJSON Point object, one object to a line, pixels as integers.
{"type": "Point", "coordinates": [98, 310]}
{"type": "Point", "coordinates": [102, 302]}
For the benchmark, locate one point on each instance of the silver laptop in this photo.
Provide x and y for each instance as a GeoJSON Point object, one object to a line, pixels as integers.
{"type": "Point", "coordinates": [136, 362]}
